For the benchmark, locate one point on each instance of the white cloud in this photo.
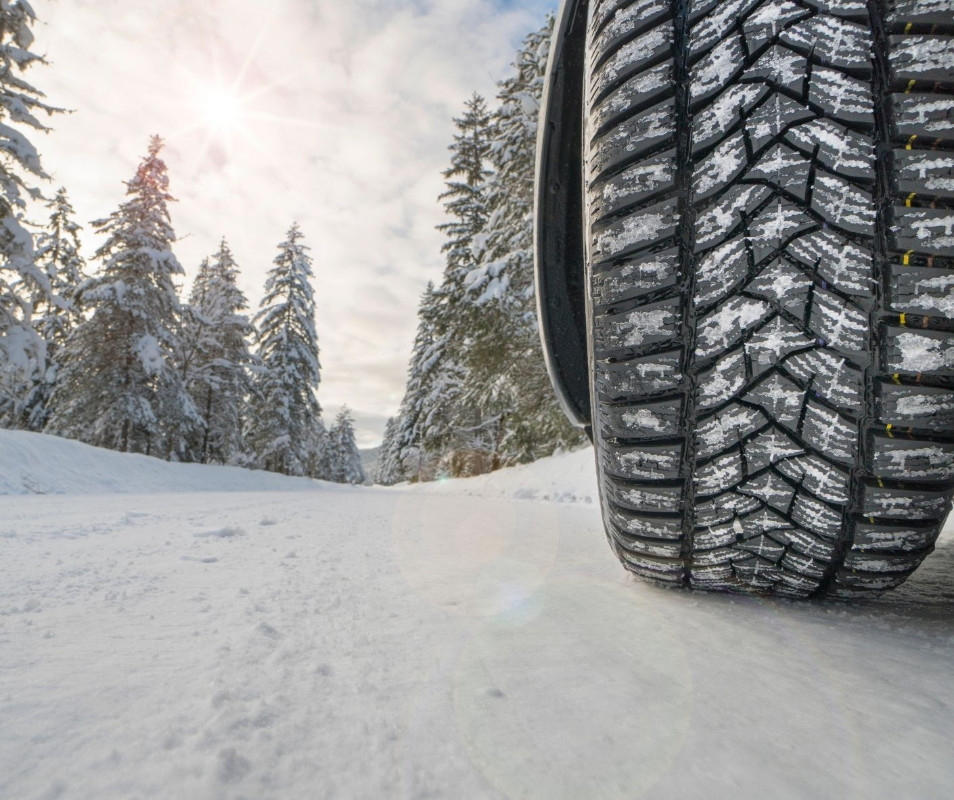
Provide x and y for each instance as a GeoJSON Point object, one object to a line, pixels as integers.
{"type": "Point", "coordinates": [346, 121]}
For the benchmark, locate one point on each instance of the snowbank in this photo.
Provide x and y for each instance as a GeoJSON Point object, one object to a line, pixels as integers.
{"type": "Point", "coordinates": [33, 463]}
{"type": "Point", "coordinates": [563, 478]}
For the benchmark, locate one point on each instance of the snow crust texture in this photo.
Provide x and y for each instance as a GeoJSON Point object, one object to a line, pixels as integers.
{"type": "Point", "coordinates": [441, 642]}
{"type": "Point", "coordinates": [772, 262]}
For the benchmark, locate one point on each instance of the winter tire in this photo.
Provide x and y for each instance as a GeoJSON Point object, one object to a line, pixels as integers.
{"type": "Point", "coordinates": [768, 201]}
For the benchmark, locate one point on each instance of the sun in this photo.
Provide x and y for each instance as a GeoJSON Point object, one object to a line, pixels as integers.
{"type": "Point", "coordinates": [220, 108]}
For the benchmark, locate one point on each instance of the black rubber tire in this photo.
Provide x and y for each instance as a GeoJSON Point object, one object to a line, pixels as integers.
{"type": "Point", "coordinates": [770, 265]}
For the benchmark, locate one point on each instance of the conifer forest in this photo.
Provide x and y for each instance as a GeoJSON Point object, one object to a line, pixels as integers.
{"type": "Point", "coordinates": [105, 348]}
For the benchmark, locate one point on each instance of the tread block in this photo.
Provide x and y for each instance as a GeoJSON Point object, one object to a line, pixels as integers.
{"type": "Point", "coordinates": [715, 70]}
{"type": "Point", "coordinates": [639, 181]}
{"type": "Point", "coordinates": [835, 42]}
{"type": "Point", "coordinates": [723, 509]}
{"type": "Point", "coordinates": [922, 57]}
{"type": "Point", "coordinates": [714, 26]}
{"type": "Point", "coordinates": [643, 133]}
{"type": "Point", "coordinates": [781, 399]}
{"type": "Point", "coordinates": [771, 489]}
{"type": "Point", "coordinates": [919, 352]}
{"type": "Point", "coordinates": [723, 113]}
{"type": "Point", "coordinates": [720, 271]}
{"type": "Point", "coordinates": [906, 504]}
{"type": "Point", "coordinates": [906, 460]}
{"type": "Point", "coordinates": [656, 462]}
{"type": "Point", "coordinates": [722, 382]}
{"type": "Point", "coordinates": [840, 150]}
{"type": "Point", "coordinates": [828, 432]}
{"type": "Point", "coordinates": [866, 561]}
{"type": "Point", "coordinates": [638, 377]}
{"type": "Point", "coordinates": [642, 326]}
{"type": "Point", "coordinates": [806, 543]}
{"type": "Point", "coordinates": [916, 407]}
{"type": "Point", "coordinates": [727, 212]}
{"type": "Point", "coordinates": [770, 448]}
{"type": "Point", "coordinates": [720, 168]}
{"type": "Point", "coordinates": [655, 569]}
{"type": "Point", "coordinates": [763, 547]}
{"type": "Point", "coordinates": [822, 479]}
{"type": "Point", "coordinates": [922, 290]}
{"type": "Point", "coordinates": [775, 223]}
{"type": "Point", "coordinates": [892, 538]}
{"type": "Point", "coordinates": [647, 421]}
{"type": "Point", "coordinates": [836, 260]}
{"type": "Point", "coordinates": [805, 566]}
{"type": "Point", "coordinates": [815, 516]}
{"type": "Point", "coordinates": [924, 171]}
{"type": "Point", "coordinates": [727, 428]}
{"type": "Point", "coordinates": [773, 342]}
{"type": "Point", "coordinates": [647, 497]}
{"type": "Point", "coordinates": [652, 85]}
{"type": "Point", "coordinates": [717, 576]}
{"type": "Point", "coordinates": [936, 11]}
{"type": "Point", "coordinates": [768, 19]}
{"type": "Point", "coordinates": [784, 168]}
{"type": "Point", "coordinates": [612, 25]}
{"type": "Point", "coordinates": [632, 58]}
{"type": "Point", "coordinates": [782, 67]}
{"type": "Point", "coordinates": [653, 528]}
{"type": "Point", "coordinates": [720, 474]}
{"type": "Point", "coordinates": [635, 232]}
{"type": "Point", "coordinates": [773, 118]}
{"type": "Point", "coordinates": [830, 375]}
{"type": "Point", "coordinates": [843, 205]}
{"type": "Point", "coordinates": [930, 229]}
{"type": "Point", "coordinates": [784, 285]}
{"type": "Point", "coordinates": [724, 327]}
{"type": "Point", "coordinates": [923, 115]}
{"type": "Point", "coordinates": [850, 9]}
{"type": "Point", "coordinates": [841, 96]}
{"type": "Point", "coordinates": [635, 277]}
{"type": "Point", "coordinates": [840, 324]}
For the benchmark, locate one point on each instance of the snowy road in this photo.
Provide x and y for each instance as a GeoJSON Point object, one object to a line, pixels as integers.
{"type": "Point", "coordinates": [372, 643]}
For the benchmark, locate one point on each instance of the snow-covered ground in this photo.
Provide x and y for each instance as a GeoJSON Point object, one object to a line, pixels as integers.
{"type": "Point", "coordinates": [227, 634]}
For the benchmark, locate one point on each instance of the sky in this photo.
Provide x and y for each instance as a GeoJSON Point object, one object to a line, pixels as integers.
{"type": "Point", "coordinates": [336, 114]}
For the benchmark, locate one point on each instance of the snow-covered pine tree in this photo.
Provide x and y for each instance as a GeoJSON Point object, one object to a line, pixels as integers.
{"type": "Point", "coordinates": [389, 464]}
{"type": "Point", "coordinates": [428, 404]}
{"type": "Point", "coordinates": [22, 283]}
{"type": "Point", "coordinates": [345, 459]}
{"type": "Point", "coordinates": [437, 413]}
{"type": "Point", "coordinates": [506, 379]}
{"type": "Point", "coordinates": [285, 429]}
{"type": "Point", "coordinates": [216, 362]}
{"type": "Point", "coordinates": [57, 307]}
{"type": "Point", "coordinates": [118, 385]}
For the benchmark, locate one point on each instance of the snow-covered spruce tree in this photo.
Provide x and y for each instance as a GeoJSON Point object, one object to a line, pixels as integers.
{"type": "Point", "coordinates": [345, 458]}
{"type": "Point", "coordinates": [436, 414]}
{"type": "Point", "coordinates": [426, 414]}
{"type": "Point", "coordinates": [506, 380]}
{"type": "Point", "coordinates": [118, 385]}
{"type": "Point", "coordinates": [285, 429]}
{"type": "Point", "coordinates": [22, 284]}
{"type": "Point", "coordinates": [389, 469]}
{"type": "Point", "coordinates": [216, 362]}
{"type": "Point", "coordinates": [57, 306]}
